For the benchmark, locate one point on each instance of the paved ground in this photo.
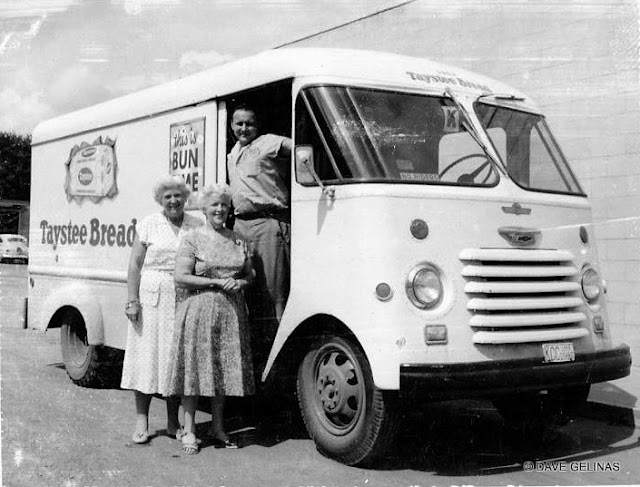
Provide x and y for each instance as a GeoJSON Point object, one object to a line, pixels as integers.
{"type": "Point", "coordinates": [57, 434]}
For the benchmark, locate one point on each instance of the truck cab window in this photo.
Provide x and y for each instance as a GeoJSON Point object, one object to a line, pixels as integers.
{"type": "Point", "coordinates": [308, 130]}
{"type": "Point", "coordinates": [528, 149]}
{"type": "Point", "coordinates": [362, 135]}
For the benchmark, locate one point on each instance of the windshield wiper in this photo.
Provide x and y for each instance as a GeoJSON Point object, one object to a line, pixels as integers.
{"type": "Point", "coordinates": [502, 96]}
{"type": "Point", "coordinates": [471, 130]}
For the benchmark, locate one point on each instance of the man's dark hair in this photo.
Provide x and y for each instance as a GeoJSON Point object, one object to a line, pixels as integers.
{"type": "Point", "coordinates": [247, 107]}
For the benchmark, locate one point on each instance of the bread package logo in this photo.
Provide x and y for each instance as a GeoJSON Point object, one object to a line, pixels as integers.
{"type": "Point", "coordinates": [91, 171]}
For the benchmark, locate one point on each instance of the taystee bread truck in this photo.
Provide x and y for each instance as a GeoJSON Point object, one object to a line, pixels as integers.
{"type": "Point", "coordinates": [441, 245]}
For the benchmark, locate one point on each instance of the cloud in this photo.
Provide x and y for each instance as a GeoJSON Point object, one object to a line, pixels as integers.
{"type": "Point", "coordinates": [7, 43]}
{"type": "Point", "coordinates": [23, 30]}
{"type": "Point", "coordinates": [76, 87]}
{"type": "Point", "coordinates": [25, 105]}
{"type": "Point", "coordinates": [129, 84]}
{"type": "Point", "coordinates": [193, 61]}
{"type": "Point", "coordinates": [32, 8]}
{"type": "Point", "coordinates": [93, 60]}
{"type": "Point", "coordinates": [21, 112]}
{"type": "Point", "coordinates": [135, 7]}
{"type": "Point", "coordinates": [34, 28]}
{"type": "Point", "coordinates": [95, 53]}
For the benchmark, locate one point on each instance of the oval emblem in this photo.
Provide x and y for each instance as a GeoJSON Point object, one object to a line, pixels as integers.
{"type": "Point", "coordinates": [85, 176]}
{"type": "Point", "coordinates": [88, 152]}
{"type": "Point", "coordinates": [520, 237]}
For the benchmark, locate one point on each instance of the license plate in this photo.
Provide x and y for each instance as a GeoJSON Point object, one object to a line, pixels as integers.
{"type": "Point", "coordinates": [558, 352]}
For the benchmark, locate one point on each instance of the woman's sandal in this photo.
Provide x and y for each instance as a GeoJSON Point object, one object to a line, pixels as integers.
{"type": "Point", "coordinates": [228, 444]}
{"type": "Point", "coordinates": [219, 443]}
{"type": "Point", "coordinates": [140, 438]}
{"type": "Point", "coordinates": [189, 443]}
{"type": "Point", "coordinates": [177, 434]}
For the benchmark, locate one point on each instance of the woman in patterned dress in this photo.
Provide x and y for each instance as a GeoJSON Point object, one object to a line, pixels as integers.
{"type": "Point", "coordinates": [151, 304]}
{"type": "Point", "coordinates": [211, 349]}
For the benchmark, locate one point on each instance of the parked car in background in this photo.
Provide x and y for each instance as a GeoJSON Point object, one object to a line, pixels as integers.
{"type": "Point", "coordinates": [13, 248]}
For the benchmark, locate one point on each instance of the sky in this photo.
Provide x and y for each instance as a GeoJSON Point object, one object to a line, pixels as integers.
{"type": "Point", "coordinates": [57, 56]}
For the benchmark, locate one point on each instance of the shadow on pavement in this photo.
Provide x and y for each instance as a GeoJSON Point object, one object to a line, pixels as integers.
{"type": "Point", "coordinates": [457, 438]}
{"type": "Point", "coordinates": [462, 438]}
{"type": "Point", "coordinates": [264, 421]}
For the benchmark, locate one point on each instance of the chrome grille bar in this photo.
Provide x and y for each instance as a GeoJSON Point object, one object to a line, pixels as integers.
{"type": "Point", "coordinates": [522, 296]}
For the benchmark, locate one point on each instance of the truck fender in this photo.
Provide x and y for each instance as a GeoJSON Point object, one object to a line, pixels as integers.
{"type": "Point", "coordinates": [79, 297]}
{"type": "Point", "coordinates": [281, 338]}
{"type": "Point", "coordinates": [384, 361]}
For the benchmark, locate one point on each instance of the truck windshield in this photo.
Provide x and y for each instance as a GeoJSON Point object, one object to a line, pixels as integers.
{"type": "Point", "coordinates": [527, 148]}
{"type": "Point", "coordinates": [367, 135]}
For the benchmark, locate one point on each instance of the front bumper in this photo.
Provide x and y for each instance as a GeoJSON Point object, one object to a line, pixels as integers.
{"type": "Point", "coordinates": [478, 379]}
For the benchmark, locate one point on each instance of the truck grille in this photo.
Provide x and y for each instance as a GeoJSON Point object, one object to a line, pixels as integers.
{"type": "Point", "coordinates": [520, 296]}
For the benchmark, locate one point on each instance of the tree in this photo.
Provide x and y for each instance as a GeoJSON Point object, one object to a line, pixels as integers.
{"type": "Point", "coordinates": [15, 166]}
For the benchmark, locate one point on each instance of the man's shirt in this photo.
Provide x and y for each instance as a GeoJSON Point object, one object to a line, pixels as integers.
{"type": "Point", "coordinates": [257, 176]}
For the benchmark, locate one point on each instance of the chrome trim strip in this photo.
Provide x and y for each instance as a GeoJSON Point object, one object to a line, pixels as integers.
{"type": "Point", "coordinates": [78, 273]}
{"type": "Point", "coordinates": [528, 336]}
{"type": "Point", "coordinates": [526, 319]}
{"type": "Point", "coordinates": [514, 255]}
{"type": "Point", "coordinates": [525, 287]}
{"type": "Point", "coordinates": [523, 304]}
{"type": "Point", "coordinates": [522, 271]}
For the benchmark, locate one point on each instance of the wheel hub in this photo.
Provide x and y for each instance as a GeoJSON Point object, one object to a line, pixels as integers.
{"type": "Point", "coordinates": [329, 391]}
{"type": "Point", "coordinates": [339, 392]}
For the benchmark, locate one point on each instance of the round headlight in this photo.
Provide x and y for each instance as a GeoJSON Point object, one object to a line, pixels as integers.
{"type": "Point", "coordinates": [424, 287]}
{"type": "Point", "coordinates": [591, 284]}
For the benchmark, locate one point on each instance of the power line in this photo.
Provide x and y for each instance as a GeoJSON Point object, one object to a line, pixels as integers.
{"type": "Point", "coordinates": [330, 29]}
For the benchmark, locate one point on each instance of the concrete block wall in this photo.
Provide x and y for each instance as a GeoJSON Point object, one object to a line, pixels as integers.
{"type": "Point", "coordinates": [579, 61]}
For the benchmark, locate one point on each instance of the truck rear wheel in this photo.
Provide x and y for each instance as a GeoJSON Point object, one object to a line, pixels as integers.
{"type": "Point", "coordinates": [87, 365]}
{"type": "Point", "coordinates": [349, 419]}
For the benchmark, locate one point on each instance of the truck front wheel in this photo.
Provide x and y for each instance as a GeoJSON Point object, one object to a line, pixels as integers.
{"type": "Point", "coordinates": [349, 419]}
{"type": "Point", "coordinates": [87, 365]}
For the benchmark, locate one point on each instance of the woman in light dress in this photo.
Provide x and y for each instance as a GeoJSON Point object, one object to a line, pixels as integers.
{"type": "Point", "coordinates": [151, 304]}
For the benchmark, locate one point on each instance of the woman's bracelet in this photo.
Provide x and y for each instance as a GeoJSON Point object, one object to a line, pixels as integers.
{"type": "Point", "coordinates": [131, 304]}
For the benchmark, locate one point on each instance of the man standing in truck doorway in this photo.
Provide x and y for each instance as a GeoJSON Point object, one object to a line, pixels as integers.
{"type": "Point", "coordinates": [258, 169]}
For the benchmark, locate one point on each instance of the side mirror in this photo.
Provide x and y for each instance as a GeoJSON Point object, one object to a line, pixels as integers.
{"type": "Point", "coordinates": [304, 164]}
{"type": "Point", "coordinates": [305, 173]}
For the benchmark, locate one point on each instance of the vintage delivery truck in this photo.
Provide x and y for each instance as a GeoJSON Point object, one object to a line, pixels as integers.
{"type": "Point", "coordinates": [441, 245]}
